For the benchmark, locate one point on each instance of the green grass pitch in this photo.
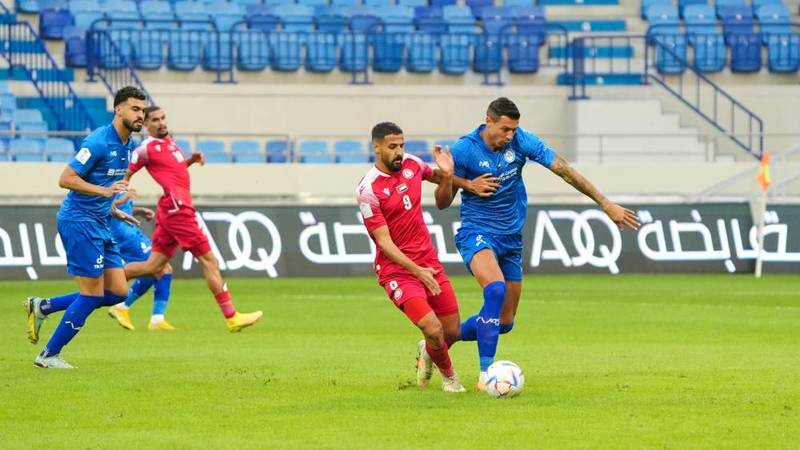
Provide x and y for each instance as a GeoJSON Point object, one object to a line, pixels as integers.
{"type": "Point", "coordinates": [666, 362]}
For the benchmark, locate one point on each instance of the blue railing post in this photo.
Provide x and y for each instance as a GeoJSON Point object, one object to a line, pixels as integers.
{"type": "Point", "coordinates": [578, 47]}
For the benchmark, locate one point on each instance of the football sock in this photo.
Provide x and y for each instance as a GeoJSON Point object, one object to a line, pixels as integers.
{"type": "Point", "coordinates": [488, 322]}
{"type": "Point", "coordinates": [225, 303]}
{"type": "Point", "coordinates": [111, 299]}
{"type": "Point", "coordinates": [506, 327]}
{"type": "Point", "coordinates": [74, 318]}
{"type": "Point", "coordinates": [469, 329]}
{"type": "Point", "coordinates": [53, 304]}
{"type": "Point", "coordinates": [155, 318]}
{"type": "Point", "coordinates": [161, 295]}
{"type": "Point", "coordinates": [440, 357]}
{"type": "Point", "coordinates": [138, 288]}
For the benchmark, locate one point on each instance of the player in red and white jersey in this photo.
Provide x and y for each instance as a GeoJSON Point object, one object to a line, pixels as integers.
{"type": "Point", "coordinates": [176, 222]}
{"type": "Point", "coordinates": [406, 263]}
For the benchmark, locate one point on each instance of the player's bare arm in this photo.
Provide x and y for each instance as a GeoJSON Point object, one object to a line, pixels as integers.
{"type": "Point", "coordinates": [425, 274]}
{"type": "Point", "coordinates": [444, 188]}
{"type": "Point", "coordinates": [70, 179]}
{"type": "Point", "coordinates": [147, 213]}
{"type": "Point", "coordinates": [623, 217]}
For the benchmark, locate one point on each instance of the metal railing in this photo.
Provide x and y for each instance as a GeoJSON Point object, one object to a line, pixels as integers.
{"type": "Point", "coordinates": [25, 51]}
{"type": "Point", "coordinates": [667, 67]}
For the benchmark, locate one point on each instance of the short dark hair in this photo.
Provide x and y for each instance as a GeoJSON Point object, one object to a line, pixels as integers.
{"type": "Point", "coordinates": [384, 129]}
{"type": "Point", "coordinates": [503, 107]}
{"type": "Point", "coordinates": [150, 110]}
{"type": "Point", "coordinates": [128, 92]}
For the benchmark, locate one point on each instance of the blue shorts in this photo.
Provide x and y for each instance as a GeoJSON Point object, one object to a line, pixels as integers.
{"type": "Point", "coordinates": [133, 244]}
{"type": "Point", "coordinates": [90, 247]}
{"type": "Point", "coordinates": [507, 248]}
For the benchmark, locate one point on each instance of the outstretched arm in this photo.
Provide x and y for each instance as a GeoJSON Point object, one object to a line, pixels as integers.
{"type": "Point", "coordinates": [621, 216]}
{"type": "Point", "coordinates": [197, 157]}
{"type": "Point", "coordinates": [425, 274]}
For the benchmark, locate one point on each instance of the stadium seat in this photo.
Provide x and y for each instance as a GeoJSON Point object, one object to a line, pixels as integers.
{"type": "Point", "coordinates": [397, 19]}
{"type": "Point", "coordinates": [217, 52]}
{"type": "Point", "coordinates": [5, 127]}
{"type": "Point", "coordinates": [709, 52]}
{"type": "Point", "coordinates": [477, 5]}
{"type": "Point", "coordinates": [530, 20]}
{"type": "Point", "coordinates": [85, 19]}
{"type": "Point", "coordinates": [345, 2]}
{"type": "Point", "coordinates": [286, 51]}
{"type": "Point", "coordinates": [683, 4]}
{"type": "Point", "coordinates": [442, 3]}
{"type": "Point", "coordinates": [412, 3]}
{"type": "Point", "coordinates": [722, 5]}
{"type": "Point", "coordinates": [295, 18]}
{"type": "Point", "coordinates": [148, 49]}
{"type": "Point", "coordinates": [263, 22]}
{"type": "Point", "coordinates": [247, 151]}
{"type": "Point", "coordinates": [488, 54]}
{"type": "Point", "coordinates": [253, 50]}
{"type": "Point", "coordinates": [313, 2]}
{"type": "Point", "coordinates": [315, 152]}
{"type": "Point", "coordinates": [193, 16]}
{"type": "Point", "coordinates": [8, 105]}
{"type": "Point", "coordinates": [185, 146]}
{"type": "Point", "coordinates": [349, 151]}
{"type": "Point", "coordinates": [737, 20]}
{"type": "Point", "coordinates": [74, 47]}
{"type": "Point", "coordinates": [774, 19]}
{"type": "Point", "coordinates": [320, 52]}
{"type": "Point", "coordinates": [419, 148]}
{"type": "Point", "coordinates": [214, 151]}
{"type": "Point", "coordinates": [516, 3]}
{"type": "Point", "coordinates": [226, 15]}
{"type": "Point", "coordinates": [34, 131]}
{"type": "Point", "coordinates": [670, 53]}
{"type": "Point", "coordinates": [27, 116]}
{"type": "Point", "coordinates": [700, 19]}
{"type": "Point", "coordinates": [495, 19]}
{"type": "Point", "coordinates": [459, 19]}
{"type": "Point", "coordinates": [379, 3]}
{"type": "Point", "coordinates": [58, 150]}
{"type": "Point", "coordinates": [421, 53]}
{"type": "Point", "coordinates": [783, 53]}
{"type": "Point", "coordinates": [277, 151]}
{"type": "Point", "coordinates": [330, 21]}
{"type": "Point", "coordinates": [388, 50]}
{"type": "Point", "coordinates": [52, 23]}
{"type": "Point", "coordinates": [155, 9]}
{"type": "Point", "coordinates": [430, 19]}
{"type": "Point", "coordinates": [354, 52]}
{"type": "Point", "coordinates": [121, 10]}
{"type": "Point", "coordinates": [184, 50]}
{"type": "Point", "coordinates": [455, 53]}
{"type": "Point", "coordinates": [26, 150]}
{"type": "Point", "coordinates": [363, 19]}
{"type": "Point", "coordinates": [745, 52]}
{"type": "Point", "coordinates": [523, 53]}
{"type": "Point", "coordinates": [647, 3]}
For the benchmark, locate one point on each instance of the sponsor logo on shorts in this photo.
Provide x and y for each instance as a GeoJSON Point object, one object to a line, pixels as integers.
{"type": "Point", "coordinates": [99, 262]}
{"type": "Point", "coordinates": [408, 174]}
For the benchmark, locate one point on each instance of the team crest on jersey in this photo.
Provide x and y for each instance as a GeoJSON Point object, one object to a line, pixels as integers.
{"type": "Point", "coordinates": [386, 191]}
{"type": "Point", "coordinates": [509, 156]}
{"type": "Point", "coordinates": [158, 147]}
{"type": "Point", "coordinates": [402, 188]}
{"type": "Point", "coordinates": [408, 174]}
{"type": "Point", "coordinates": [398, 293]}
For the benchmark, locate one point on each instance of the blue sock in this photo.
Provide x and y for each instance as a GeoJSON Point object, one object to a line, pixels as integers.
{"type": "Point", "coordinates": [469, 329]}
{"type": "Point", "coordinates": [161, 295]}
{"type": "Point", "coordinates": [74, 318]}
{"type": "Point", "coordinates": [488, 322]}
{"type": "Point", "coordinates": [138, 288]}
{"type": "Point", "coordinates": [506, 327]}
{"type": "Point", "coordinates": [54, 304]}
{"type": "Point", "coordinates": [111, 299]}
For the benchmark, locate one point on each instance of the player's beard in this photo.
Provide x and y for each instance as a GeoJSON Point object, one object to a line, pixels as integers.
{"type": "Point", "coordinates": [393, 164]}
{"type": "Point", "coordinates": [131, 127]}
{"type": "Point", "coordinates": [162, 134]}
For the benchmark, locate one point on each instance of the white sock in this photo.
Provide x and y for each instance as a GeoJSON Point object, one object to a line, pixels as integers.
{"type": "Point", "coordinates": [483, 376]}
{"type": "Point", "coordinates": [121, 305]}
{"type": "Point", "coordinates": [155, 318]}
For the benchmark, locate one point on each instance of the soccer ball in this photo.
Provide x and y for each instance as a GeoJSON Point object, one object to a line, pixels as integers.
{"type": "Point", "coordinates": [505, 379]}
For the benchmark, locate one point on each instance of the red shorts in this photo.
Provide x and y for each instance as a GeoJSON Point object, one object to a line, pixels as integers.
{"type": "Point", "coordinates": [179, 228]}
{"type": "Point", "coordinates": [403, 287]}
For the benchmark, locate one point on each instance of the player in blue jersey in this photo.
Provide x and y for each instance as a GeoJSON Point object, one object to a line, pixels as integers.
{"type": "Point", "coordinates": [135, 246]}
{"type": "Point", "coordinates": [488, 169]}
{"type": "Point", "coordinates": [93, 177]}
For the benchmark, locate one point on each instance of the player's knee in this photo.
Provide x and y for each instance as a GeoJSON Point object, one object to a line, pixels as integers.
{"type": "Point", "coordinates": [451, 334]}
{"type": "Point", "coordinates": [506, 327]}
{"type": "Point", "coordinates": [433, 331]}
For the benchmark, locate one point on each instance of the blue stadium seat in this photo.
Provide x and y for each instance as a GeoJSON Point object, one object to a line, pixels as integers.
{"type": "Point", "coordinates": [5, 126]}
{"type": "Point", "coordinates": [530, 20]}
{"type": "Point", "coordinates": [217, 53]}
{"type": "Point", "coordinates": [193, 16]}
{"type": "Point", "coordinates": [263, 22]}
{"type": "Point", "coordinates": [774, 19]}
{"type": "Point", "coordinates": [214, 151]}
{"type": "Point", "coordinates": [246, 2]}
{"type": "Point", "coordinates": [37, 130]}
{"type": "Point", "coordinates": [185, 146]}
{"type": "Point", "coordinates": [495, 19]}
{"type": "Point", "coordinates": [709, 52]}
{"type": "Point", "coordinates": [722, 5]}
{"type": "Point", "coordinates": [253, 51]}
{"type": "Point", "coordinates": [286, 51]}
{"type": "Point", "coordinates": [345, 2]}
{"type": "Point", "coordinates": [671, 53]}
{"type": "Point", "coordinates": [646, 4]}
{"type": "Point", "coordinates": [8, 105]}
{"type": "Point", "coordinates": [184, 50]}
{"type": "Point", "coordinates": [315, 152]}
{"type": "Point", "coordinates": [260, 9]}
{"type": "Point", "coordinates": [58, 150]}
{"type": "Point", "coordinates": [455, 53]}
{"type": "Point", "coordinates": [700, 19]}
{"type": "Point", "coordinates": [295, 18]}
{"type": "Point", "coordinates": [354, 52]}
{"type": "Point", "coordinates": [388, 50]}
{"type": "Point", "coordinates": [488, 54]}
{"type": "Point", "coordinates": [226, 15]}
{"type": "Point", "coordinates": [321, 52]}
{"type": "Point", "coordinates": [783, 53]}
{"type": "Point", "coordinates": [26, 150]}
{"type": "Point", "coordinates": [430, 19]}
{"type": "Point", "coordinates": [156, 9]}
{"type": "Point", "coordinates": [397, 19]}
{"type": "Point", "coordinates": [52, 23]}
{"type": "Point", "coordinates": [477, 5]}
{"type": "Point", "coordinates": [379, 3]}
{"type": "Point", "coordinates": [121, 9]}
{"type": "Point", "coordinates": [523, 53]}
{"type": "Point", "coordinates": [349, 151]}
{"type": "Point", "coordinates": [330, 20]}
{"type": "Point", "coordinates": [421, 53]}
{"type": "Point", "coordinates": [363, 19]}
{"type": "Point", "coordinates": [313, 2]}
{"type": "Point", "coordinates": [278, 151]}
{"type": "Point", "coordinates": [84, 6]}
{"type": "Point", "coordinates": [74, 47]}
{"type": "Point", "coordinates": [442, 3]}
{"type": "Point", "coordinates": [682, 4]}
{"type": "Point", "coordinates": [419, 148]}
{"type": "Point", "coordinates": [85, 19]}
{"type": "Point", "coordinates": [735, 21]}
{"type": "Point", "coordinates": [745, 52]}
{"type": "Point", "coordinates": [28, 6]}
{"type": "Point", "coordinates": [247, 151]}
{"type": "Point", "coordinates": [412, 3]}
{"type": "Point", "coordinates": [459, 19]}
{"type": "Point", "coordinates": [515, 3]}
{"type": "Point", "coordinates": [27, 116]}
{"type": "Point", "coordinates": [148, 50]}
{"type": "Point", "coordinates": [756, 4]}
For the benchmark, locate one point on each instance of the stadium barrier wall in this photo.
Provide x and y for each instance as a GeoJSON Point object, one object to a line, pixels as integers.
{"type": "Point", "coordinates": [289, 241]}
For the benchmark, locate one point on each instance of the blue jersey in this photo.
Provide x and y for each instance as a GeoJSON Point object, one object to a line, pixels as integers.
{"type": "Point", "coordinates": [504, 212]}
{"type": "Point", "coordinates": [102, 160]}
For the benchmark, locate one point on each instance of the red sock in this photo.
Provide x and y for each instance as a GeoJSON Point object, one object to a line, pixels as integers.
{"type": "Point", "coordinates": [225, 303]}
{"type": "Point", "coordinates": [441, 358]}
